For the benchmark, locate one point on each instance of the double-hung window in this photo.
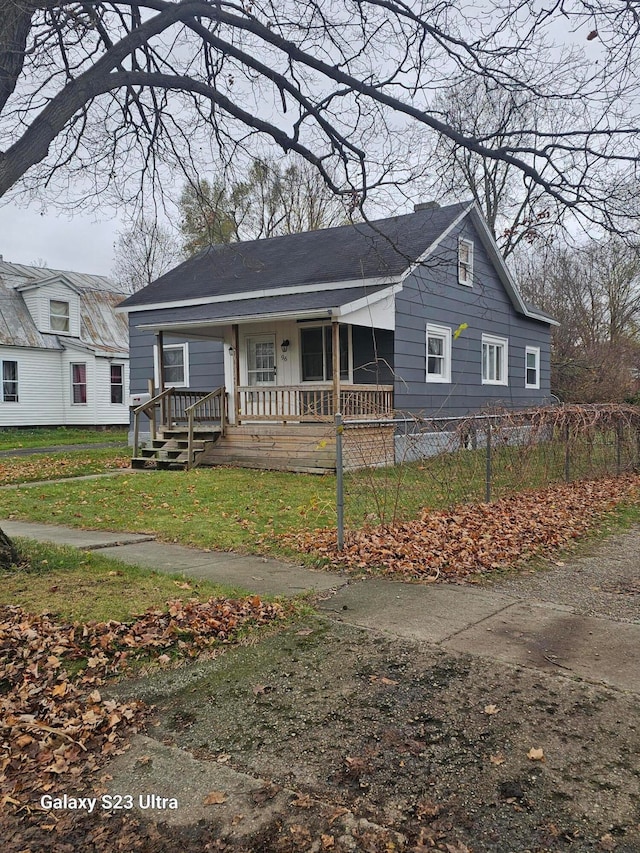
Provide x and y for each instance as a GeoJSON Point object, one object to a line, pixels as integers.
{"type": "Point", "coordinates": [79, 383]}
{"type": "Point", "coordinates": [316, 349]}
{"type": "Point", "coordinates": [58, 315]}
{"type": "Point", "coordinates": [438, 353]}
{"type": "Point", "coordinates": [9, 381]}
{"type": "Point", "coordinates": [465, 262]}
{"type": "Point", "coordinates": [494, 360]}
{"type": "Point", "coordinates": [175, 365]}
{"type": "Point", "coordinates": [532, 367]}
{"type": "Point", "coordinates": [117, 383]}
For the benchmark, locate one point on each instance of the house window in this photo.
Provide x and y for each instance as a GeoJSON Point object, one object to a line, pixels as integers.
{"type": "Point", "coordinates": [494, 360]}
{"type": "Point", "coordinates": [532, 367]}
{"type": "Point", "coordinates": [117, 383]}
{"type": "Point", "coordinates": [316, 349]}
{"type": "Point", "coordinates": [175, 365]}
{"type": "Point", "coordinates": [465, 262]}
{"type": "Point", "coordinates": [79, 383]}
{"type": "Point", "coordinates": [58, 316]}
{"type": "Point", "coordinates": [10, 381]}
{"type": "Point", "coordinates": [438, 353]}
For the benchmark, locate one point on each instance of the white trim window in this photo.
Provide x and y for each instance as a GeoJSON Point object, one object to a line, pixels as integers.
{"type": "Point", "coordinates": [9, 381]}
{"type": "Point", "coordinates": [438, 353]}
{"type": "Point", "coordinates": [58, 315]}
{"type": "Point", "coordinates": [495, 358]}
{"type": "Point", "coordinates": [465, 262]}
{"type": "Point", "coordinates": [532, 367]}
{"type": "Point", "coordinates": [176, 365]}
{"type": "Point", "coordinates": [79, 384]}
{"type": "Point", "coordinates": [117, 382]}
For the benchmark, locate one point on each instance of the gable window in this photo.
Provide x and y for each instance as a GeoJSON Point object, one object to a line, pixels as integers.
{"type": "Point", "coordinates": [494, 360]}
{"type": "Point", "coordinates": [532, 367]}
{"type": "Point", "coordinates": [175, 365]}
{"type": "Point", "coordinates": [117, 383]}
{"type": "Point", "coordinates": [78, 383]}
{"type": "Point", "coordinates": [316, 349]}
{"type": "Point", "coordinates": [58, 315]}
{"type": "Point", "coordinates": [465, 262]}
{"type": "Point", "coordinates": [10, 381]}
{"type": "Point", "coordinates": [438, 353]}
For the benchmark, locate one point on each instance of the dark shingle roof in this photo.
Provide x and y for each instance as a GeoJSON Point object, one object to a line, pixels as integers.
{"type": "Point", "coordinates": [383, 248]}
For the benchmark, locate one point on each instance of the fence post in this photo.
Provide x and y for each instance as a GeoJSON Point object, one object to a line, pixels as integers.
{"type": "Point", "coordinates": [339, 481]}
{"type": "Point", "coordinates": [619, 437]}
{"type": "Point", "coordinates": [487, 491]}
{"type": "Point", "coordinates": [567, 453]}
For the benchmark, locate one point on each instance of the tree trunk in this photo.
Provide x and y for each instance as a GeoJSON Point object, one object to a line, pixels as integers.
{"type": "Point", "coordinates": [8, 552]}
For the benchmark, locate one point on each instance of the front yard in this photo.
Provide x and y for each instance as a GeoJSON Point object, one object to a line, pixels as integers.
{"type": "Point", "coordinates": [317, 735]}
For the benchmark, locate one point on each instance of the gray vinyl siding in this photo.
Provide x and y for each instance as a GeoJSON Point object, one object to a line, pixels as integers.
{"type": "Point", "coordinates": [206, 368]}
{"type": "Point", "coordinates": [432, 294]}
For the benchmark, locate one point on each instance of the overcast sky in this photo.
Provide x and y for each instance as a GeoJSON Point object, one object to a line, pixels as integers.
{"type": "Point", "coordinates": [80, 244]}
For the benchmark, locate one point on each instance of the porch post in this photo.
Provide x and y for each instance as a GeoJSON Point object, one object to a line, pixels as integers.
{"type": "Point", "coordinates": [160, 345]}
{"type": "Point", "coordinates": [235, 343]}
{"type": "Point", "coordinates": [335, 358]}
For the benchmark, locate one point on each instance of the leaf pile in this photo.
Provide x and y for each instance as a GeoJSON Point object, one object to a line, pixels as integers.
{"type": "Point", "coordinates": [470, 539]}
{"type": "Point", "coordinates": [54, 725]}
{"type": "Point", "coordinates": [58, 466]}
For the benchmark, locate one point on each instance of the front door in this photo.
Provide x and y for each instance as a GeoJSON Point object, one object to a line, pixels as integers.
{"type": "Point", "coordinates": [261, 360]}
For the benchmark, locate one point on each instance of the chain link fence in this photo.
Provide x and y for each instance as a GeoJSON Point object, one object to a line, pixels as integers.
{"type": "Point", "coordinates": [388, 470]}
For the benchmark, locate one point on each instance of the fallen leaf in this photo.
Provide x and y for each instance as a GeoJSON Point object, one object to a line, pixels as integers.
{"type": "Point", "coordinates": [535, 754]}
{"type": "Point", "coordinates": [491, 709]}
{"type": "Point", "coordinates": [497, 759]}
{"type": "Point", "coordinates": [215, 798]}
{"type": "Point", "coordinates": [380, 679]}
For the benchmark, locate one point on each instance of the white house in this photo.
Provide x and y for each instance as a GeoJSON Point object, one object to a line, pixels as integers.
{"type": "Point", "coordinates": [64, 352]}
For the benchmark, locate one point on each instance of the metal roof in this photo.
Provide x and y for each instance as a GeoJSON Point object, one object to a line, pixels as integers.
{"type": "Point", "coordinates": [100, 327]}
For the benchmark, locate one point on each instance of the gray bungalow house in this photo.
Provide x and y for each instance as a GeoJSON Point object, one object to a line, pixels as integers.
{"type": "Point", "coordinates": [248, 350]}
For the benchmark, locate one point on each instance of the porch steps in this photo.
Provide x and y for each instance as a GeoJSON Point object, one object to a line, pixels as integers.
{"type": "Point", "coordinates": [171, 449]}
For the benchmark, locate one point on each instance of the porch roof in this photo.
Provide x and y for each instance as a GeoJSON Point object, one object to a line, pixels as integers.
{"type": "Point", "coordinates": [304, 306]}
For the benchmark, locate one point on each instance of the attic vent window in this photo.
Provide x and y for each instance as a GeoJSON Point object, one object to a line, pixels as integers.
{"type": "Point", "coordinates": [465, 262]}
{"type": "Point", "coordinates": [58, 316]}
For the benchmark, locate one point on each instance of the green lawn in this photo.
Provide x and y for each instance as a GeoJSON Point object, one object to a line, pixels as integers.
{"type": "Point", "coordinates": [12, 439]}
{"type": "Point", "coordinates": [82, 586]}
{"type": "Point", "coordinates": [218, 508]}
{"type": "Point", "coordinates": [244, 510]}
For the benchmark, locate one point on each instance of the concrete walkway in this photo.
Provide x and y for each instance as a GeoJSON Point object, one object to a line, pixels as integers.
{"type": "Point", "coordinates": [254, 574]}
{"type": "Point", "coordinates": [516, 631]}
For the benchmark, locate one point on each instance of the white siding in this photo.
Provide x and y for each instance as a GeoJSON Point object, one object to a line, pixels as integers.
{"type": "Point", "coordinates": [44, 390]}
{"type": "Point", "coordinates": [39, 389]}
{"type": "Point", "coordinates": [106, 411]}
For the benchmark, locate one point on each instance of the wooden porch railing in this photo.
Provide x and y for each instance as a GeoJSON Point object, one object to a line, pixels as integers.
{"type": "Point", "coordinates": [148, 409]}
{"type": "Point", "coordinates": [207, 405]}
{"type": "Point", "coordinates": [211, 407]}
{"type": "Point", "coordinates": [313, 403]}
{"type": "Point", "coordinates": [181, 406]}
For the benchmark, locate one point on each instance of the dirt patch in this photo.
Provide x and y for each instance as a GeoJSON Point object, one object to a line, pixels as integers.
{"type": "Point", "coordinates": [334, 738]}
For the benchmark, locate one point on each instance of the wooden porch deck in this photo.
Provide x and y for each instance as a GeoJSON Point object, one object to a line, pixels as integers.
{"type": "Point", "coordinates": [289, 428]}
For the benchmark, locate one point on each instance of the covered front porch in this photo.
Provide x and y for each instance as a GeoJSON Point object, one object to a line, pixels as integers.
{"type": "Point", "coordinates": [285, 380]}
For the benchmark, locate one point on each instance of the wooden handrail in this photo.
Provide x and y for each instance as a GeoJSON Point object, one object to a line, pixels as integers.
{"type": "Point", "coordinates": [191, 410]}
{"type": "Point", "coordinates": [144, 409]}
